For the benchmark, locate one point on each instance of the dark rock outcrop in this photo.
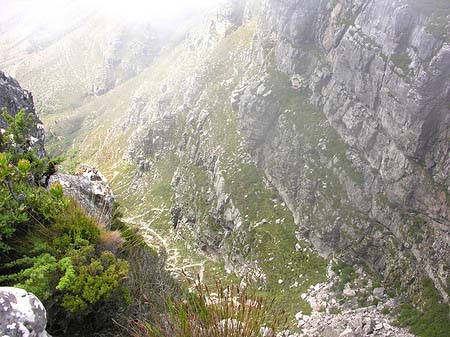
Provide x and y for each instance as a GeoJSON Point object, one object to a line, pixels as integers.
{"type": "Point", "coordinates": [13, 99]}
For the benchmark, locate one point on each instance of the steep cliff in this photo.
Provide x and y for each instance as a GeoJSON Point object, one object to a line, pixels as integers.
{"type": "Point", "coordinates": [369, 176]}
{"type": "Point", "coordinates": [343, 106]}
{"type": "Point", "coordinates": [278, 131]}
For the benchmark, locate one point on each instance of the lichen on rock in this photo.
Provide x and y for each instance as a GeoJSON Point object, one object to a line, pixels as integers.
{"type": "Point", "coordinates": [21, 314]}
{"type": "Point", "coordinates": [91, 189]}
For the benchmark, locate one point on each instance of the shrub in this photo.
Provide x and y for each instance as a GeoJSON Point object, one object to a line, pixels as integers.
{"type": "Point", "coordinates": [49, 245]}
{"type": "Point", "coordinates": [345, 272]}
{"type": "Point", "coordinates": [90, 279]}
{"type": "Point", "coordinates": [226, 312]}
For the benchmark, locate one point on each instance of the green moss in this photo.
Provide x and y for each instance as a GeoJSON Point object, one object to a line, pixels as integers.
{"type": "Point", "coordinates": [385, 311]}
{"type": "Point", "coordinates": [402, 61]}
{"type": "Point", "coordinates": [432, 318]}
{"type": "Point", "coordinates": [335, 311]}
{"type": "Point", "coordinates": [346, 273]}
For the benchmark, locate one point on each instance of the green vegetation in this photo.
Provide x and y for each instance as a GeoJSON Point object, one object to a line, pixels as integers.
{"type": "Point", "coordinates": [48, 244]}
{"type": "Point", "coordinates": [220, 312]}
{"type": "Point", "coordinates": [386, 311]}
{"type": "Point", "coordinates": [432, 318]}
{"type": "Point", "coordinates": [345, 272]}
{"type": "Point", "coordinates": [402, 61]}
{"type": "Point", "coordinates": [288, 272]}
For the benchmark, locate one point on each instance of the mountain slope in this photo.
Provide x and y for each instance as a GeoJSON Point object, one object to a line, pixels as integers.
{"type": "Point", "coordinates": [279, 129]}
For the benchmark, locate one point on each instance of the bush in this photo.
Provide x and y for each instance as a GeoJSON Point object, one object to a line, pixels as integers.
{"type": "Point", "coordinates": [345, 272]}
{"type": "Point", "coordinates": [89, 279]}
{"type": "Point", "coordinates": [49, 245]}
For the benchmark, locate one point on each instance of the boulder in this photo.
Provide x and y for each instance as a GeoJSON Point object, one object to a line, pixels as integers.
{"type": "Point", "coordinates": [349, 292]}
{"type": "Point", "coordinates": [21, 314]}
{"type": "Point", "coordinates": [91, 189]}
{"type": "Point", "coordinates": [378, 292]}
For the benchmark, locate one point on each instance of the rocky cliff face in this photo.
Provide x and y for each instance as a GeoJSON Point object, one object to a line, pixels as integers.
{"type": "Point", "coordinates": [381, 78]}
{"type": "Point", "coordinates": [341, 108]}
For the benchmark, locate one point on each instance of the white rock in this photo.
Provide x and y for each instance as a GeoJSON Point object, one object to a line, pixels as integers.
{"type": "Point", "coordinates": [347, 333]}
{"type": "Point", "coordinates": [21, 313]}
{"type": "Point", "coordinates": [266, 332]}
{"type": "Point", "coordinates": [378, 292]}
{"type": "Point", "coordinates": [349, 292]}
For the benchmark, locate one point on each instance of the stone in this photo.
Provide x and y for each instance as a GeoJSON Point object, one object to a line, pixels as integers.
{"type": "Point", "coordinates": [378, 292]}
{"type": "Point", "coordinates": [348, 332]}
{"type": "Point", "coordinates": [266, 332]}
{"type": "Point", "coordinates": [13, 98]}
{"type": "Point", "coordinates": [368, 326]}
{"type": "Point", "coordinates": [91, 189]}
{"type": "Point", "coordinates": [21, 314]}
{"type": "Point", "coordinates": [349, 292]}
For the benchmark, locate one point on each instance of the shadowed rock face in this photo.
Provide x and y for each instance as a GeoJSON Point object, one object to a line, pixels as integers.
{"type": "Point", "coordinates": [21, 314]}
{"type": "Point", "coordinates": [13, 98]}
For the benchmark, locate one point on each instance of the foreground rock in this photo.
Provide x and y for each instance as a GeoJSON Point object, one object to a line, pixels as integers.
{"type": "Point", "coordinates": [21, 314]}
{"type": "Point", "coordinates": [90, 188]}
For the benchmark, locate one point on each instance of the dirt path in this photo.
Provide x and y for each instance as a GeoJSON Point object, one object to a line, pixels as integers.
{"type": "Point", "coordinates": [176, 263]}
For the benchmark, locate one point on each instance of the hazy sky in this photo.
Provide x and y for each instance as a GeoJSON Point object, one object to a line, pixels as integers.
{"type": "Point", "coordinates": [47, 17]}
{"type": "Point", "coordinates": [124, 9]}
{"type": "Point", "coordinates": [138, 9]}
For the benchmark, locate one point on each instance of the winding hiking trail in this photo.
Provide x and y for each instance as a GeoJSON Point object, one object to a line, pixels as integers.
{"type": "Point", "coordinates": [176, 262]}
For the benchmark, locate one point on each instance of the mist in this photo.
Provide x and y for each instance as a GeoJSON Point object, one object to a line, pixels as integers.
{"type": "Point", "coordinates": [54, 15]}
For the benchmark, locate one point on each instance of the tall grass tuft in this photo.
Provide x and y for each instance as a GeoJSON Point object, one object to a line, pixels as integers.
{"type": "Point", "coordinates": [224, 312]}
